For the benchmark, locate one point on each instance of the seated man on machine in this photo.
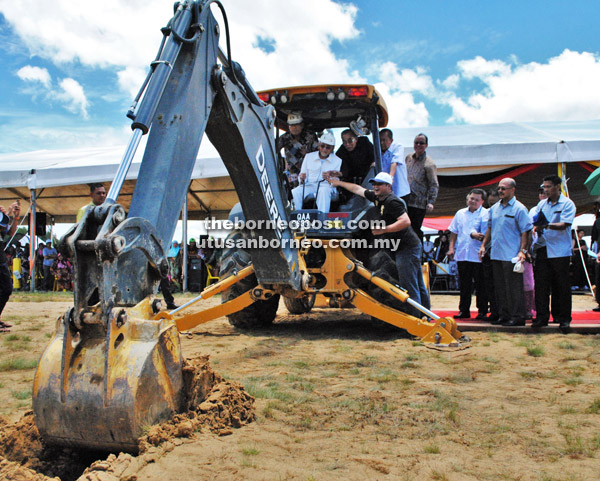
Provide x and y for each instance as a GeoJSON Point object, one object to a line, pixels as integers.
{"type": "Point", "coordinates": [357, 156]}
{"type": "Point", "coordinates": [317, 169]}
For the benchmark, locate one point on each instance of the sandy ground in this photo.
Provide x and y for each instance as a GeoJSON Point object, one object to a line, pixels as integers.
{"type": "Point", "coordinates": [339, 396]}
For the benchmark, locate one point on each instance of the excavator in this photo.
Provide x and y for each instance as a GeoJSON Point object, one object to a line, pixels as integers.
{"type": "Point", "coordinates": [114, 364]}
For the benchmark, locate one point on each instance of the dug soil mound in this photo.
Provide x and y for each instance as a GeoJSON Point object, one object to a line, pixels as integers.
{"type": "Point", "coordinates": [212, 404]}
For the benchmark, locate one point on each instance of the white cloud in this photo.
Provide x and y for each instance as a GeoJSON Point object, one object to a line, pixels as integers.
{"type": "Point", "coordinates": [277, 43]}
{"type": "Point", "coordinates": [402, 108]}
{"type": "Point", "coordinates": [398, 88]}
{"type": "Point", "coordinates": [482, 68]}
{"type": "Point", "coordinates": [564, 88]}
{"type": "Point", "coordinates": [450, 82]}
{"type": "Point", "coordinates": [125, 36]}
{"type": "Point", "coordinates": [34, 74]}
{"type": "Point", "coordinates": [73, 97]}
{"type": "Point", "coordinates": [406, 80]}
{"type": "Point", "coordinates": [130, 80]}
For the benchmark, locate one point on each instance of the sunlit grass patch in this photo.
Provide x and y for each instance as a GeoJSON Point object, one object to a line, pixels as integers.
{"type": "Point", "coordinates": [490, 360]}
{"type": "Point", "coordinates": [367, 361]}
{"type": "Point", "coordinates": [24, 296]}
{"type": "Point", "coordinates": [21, 395]}
{"type": "Point", "coordinates": [594, 408]}
{"type": "Point", "coordinates": [536, 351]}
{"type": "Point", "coordinates": [568, 409]}
{"type": "Point", "coordinates": [432, 449]}
{"type": "Point", "coordinates": [577, 447]}
{"type": "Point", "coordinates": [17, 364]}
{"type": "Point", "coordinates": [460, 377]}
{"type": "Point", "coordinates": [252, 451]}
{"type": "Point", "coordinates": [382, 376]}
{"type": "Point", "coordinates": [573, 381]}
{"type": "Point", "coordinates": [566, 345]}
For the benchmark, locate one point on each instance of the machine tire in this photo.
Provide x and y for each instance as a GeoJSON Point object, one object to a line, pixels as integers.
{"type": "Point", "coordinates": [300, 305]}
{"type": "Point", "coordinates": [258, 315]}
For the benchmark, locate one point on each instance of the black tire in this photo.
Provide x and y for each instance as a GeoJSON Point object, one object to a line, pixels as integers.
{"type": "Point", "coordinates": [300, 305]}
{"type": "Point", "coordinates": [257, 315]}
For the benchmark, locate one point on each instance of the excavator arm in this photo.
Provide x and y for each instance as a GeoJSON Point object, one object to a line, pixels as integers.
{"type": "Point", "coordinates": [119, 260]}
{"type": "Point", "coordinates": [110, 369]}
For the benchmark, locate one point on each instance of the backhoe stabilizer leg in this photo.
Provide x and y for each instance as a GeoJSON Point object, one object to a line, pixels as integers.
{"type": "Point", "coordinates": [437, 332]}
{"type": "Point", "coordinates": [443, 332]}
{"type": "Point", "coordinates": [190, 321]}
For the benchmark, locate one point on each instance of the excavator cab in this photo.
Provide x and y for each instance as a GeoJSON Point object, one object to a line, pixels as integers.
{"type": "Point", "coordinates": [333, 107]}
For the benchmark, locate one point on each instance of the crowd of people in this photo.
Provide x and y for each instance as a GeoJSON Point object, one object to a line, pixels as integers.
{"type": "Point", "coordinates": [54, 272]}
{"type": "Point", "coordinates": [512, 258]}
{"type": "Point", "coordinates": [517, 260]}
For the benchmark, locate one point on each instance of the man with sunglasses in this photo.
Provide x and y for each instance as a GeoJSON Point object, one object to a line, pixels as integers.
{"type": "Point", "coordinates": [357, 156]}
{"type": "Point", "coordinates": [509, 232]}
{"type": "Point", "coordinates": [317, 168]}
{"type": "Point", "coordinates": [423, 181]}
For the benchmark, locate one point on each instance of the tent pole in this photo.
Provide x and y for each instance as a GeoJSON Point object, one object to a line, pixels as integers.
{"type": "Point", "coordinates": [32, 242]}
{"type": "Point", "coordinates": [562, 172]}
{"type": "Point", "coordinates": [185, 236]}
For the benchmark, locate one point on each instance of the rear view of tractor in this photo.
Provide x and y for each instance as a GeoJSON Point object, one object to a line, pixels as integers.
{"type": "Point", "coordinates": [114, 364]}
{"type": "Point", "coordinates": [338, 258]}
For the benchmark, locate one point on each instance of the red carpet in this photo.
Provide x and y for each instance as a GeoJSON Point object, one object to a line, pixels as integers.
{"type": "Point", "coordinates": [579, 317]}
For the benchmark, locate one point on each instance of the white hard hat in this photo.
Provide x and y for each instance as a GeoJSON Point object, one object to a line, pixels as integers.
{"type": "Point", "coordinates": [382, 177]}
{"type": "Point", "coordinates": [327, 138]}
{"type": "Point", "coordinates": [295, 118]}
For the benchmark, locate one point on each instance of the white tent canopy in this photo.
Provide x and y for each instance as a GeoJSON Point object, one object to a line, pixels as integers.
{"type": "Point", "coordinates": [458, 150]}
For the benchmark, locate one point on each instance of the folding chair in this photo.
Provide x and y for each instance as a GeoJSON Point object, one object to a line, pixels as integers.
{"type": "Point", "coordinates": [210, 278]}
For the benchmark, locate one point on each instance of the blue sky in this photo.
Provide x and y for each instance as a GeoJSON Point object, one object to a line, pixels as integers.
{"type": "Point", "coordinates": [71, 68]}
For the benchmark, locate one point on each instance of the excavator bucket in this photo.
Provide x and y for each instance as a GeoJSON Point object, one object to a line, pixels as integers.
{"type": "Point", "coordinates": [100, 387]}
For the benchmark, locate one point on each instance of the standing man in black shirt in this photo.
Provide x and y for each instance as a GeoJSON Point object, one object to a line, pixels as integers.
{"type": "Point", "coordinates": [8, 227]}
{"type": "Point", "coordinates": [393, 211]}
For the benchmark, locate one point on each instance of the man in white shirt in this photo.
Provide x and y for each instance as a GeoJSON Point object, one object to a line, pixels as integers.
{"type": "Point", "coordinates": [467, 230]}
{"type": "Point", "coordinates": [318, 167]}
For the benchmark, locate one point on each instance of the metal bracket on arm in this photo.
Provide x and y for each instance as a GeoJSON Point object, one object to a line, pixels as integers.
{"type": "Point", "coordinates": [117, 261]}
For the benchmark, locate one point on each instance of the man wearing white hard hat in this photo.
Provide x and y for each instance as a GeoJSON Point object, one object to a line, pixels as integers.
{"type": "Point", "coordinates": [408, 253]}
{"type": "Point", "coordinates": [317, 170]}
{"type": "Point", "coordinates": [296, 144]}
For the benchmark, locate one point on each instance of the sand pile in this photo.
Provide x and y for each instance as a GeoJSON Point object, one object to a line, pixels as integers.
{"type": "Point", "coordinates": [211, 405]}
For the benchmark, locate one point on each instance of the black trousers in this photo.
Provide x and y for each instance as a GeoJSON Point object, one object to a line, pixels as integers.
{"type": "Point", "coordinates": [488, 281]}
{"type": "Point", "coordinates": [48, 278]}
{"type": "Point", "coordinates": [166, 290]}
{"type": "Point", "coordinates": [416, 217]}
{"type": "Point", "coordinates": [597, 281]}
{"type": "Point", "coordinates": [552, 276]}
{"type": "Point", "coordinates": [470, 275]}
{"type": "Point", "coordinates": [509, 291]}
{"type": "Point", "coordinates": [6, 286]}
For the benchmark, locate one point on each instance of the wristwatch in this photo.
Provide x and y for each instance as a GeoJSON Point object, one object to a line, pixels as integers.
{"type": "Point", "coordinates": [524, 251]}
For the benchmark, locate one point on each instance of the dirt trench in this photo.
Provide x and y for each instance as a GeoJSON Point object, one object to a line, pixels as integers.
{"type": "Point", "coordinates": [212, 405]}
